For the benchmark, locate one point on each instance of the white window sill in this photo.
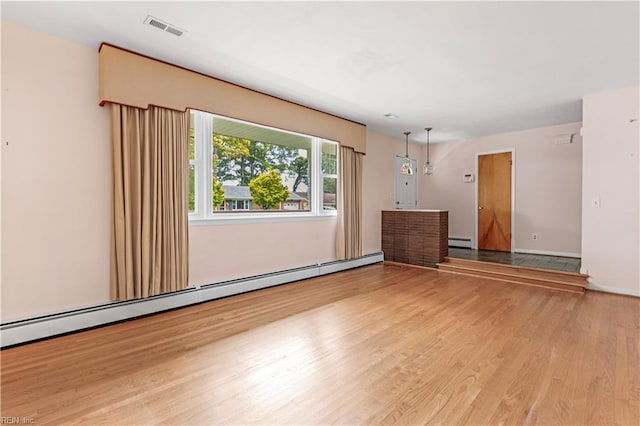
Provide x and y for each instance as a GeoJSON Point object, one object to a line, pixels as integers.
{"type": "Point", "coordinates": [240, 218]}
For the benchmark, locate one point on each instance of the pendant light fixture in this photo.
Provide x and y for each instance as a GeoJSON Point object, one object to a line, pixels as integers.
{"type": "Point", "coordinates": [406, 169]}
{"type": "Point", "coordinates": [428, 167]}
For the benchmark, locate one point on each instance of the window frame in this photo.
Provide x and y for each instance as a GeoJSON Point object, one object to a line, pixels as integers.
{"type": "Point", "coordinates": [204, 214]}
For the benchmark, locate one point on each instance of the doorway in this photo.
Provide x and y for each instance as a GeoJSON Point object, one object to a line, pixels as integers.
{"type": "Point", "coordinates": [494, 201]}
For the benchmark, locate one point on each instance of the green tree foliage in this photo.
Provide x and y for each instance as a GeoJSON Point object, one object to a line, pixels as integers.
{"type": "Point", "coordinates": [192, 189]}
{"type": "Point", "coordinates": [267, 190]}
{"type": "Point", "coordinates": [242, 160]}
{"type": "Point", "coordinates": [299, 169]}
{"type": "Point", "coordinates": [192, 144]}
{"type": "Point", "coordinates": [256, 163]}
{"type": "Point", "coordinates": [227, 150]}
{"type": "Point", "coordinates": [230, 147]}
{"type": "Point", "coordinates": [192, 174]}
{"type": "Point", "coordinates": [329, 185]}
{"type": "Point", "coordinates": [217, 193]}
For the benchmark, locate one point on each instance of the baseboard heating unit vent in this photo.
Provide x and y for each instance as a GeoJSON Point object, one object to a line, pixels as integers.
{"type": "Point", "coordinates": [460, 242]}
{"type": "Point", "coordinates": [28, 330]}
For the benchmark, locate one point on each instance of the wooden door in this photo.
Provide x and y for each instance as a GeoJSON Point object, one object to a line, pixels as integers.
{"type": "Point", "coordinates": [494, 201]}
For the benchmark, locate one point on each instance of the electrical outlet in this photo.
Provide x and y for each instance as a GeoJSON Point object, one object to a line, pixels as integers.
{"type": "Point", "coordinates": [534, 237]}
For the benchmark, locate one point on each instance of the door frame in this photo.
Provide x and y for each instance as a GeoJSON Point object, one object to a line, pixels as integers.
{"type": "Point", "coordinates": [474, 245]}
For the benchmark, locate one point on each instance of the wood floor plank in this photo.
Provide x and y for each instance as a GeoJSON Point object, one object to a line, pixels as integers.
{"type": "Point", "coordinates": [383, 344]}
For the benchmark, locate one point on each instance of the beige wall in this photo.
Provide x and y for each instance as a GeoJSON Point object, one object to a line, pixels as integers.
{"type": "Point", "coordinates": [223, 252]}
{"type": "Point", "coordinates": [547, 187]}
{"type": "Point", "coordinates": [610, 233]}
{"type": "Point", "coordinates": [1, 151]}
{"type": "Point", "coordinates": [56, 191]}
{"type": "Point", "coordinates": [378, 185]}
{"type": "Point", "coordinates": [55, 176]}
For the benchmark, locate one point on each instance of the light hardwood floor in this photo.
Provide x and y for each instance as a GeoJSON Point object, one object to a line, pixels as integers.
{"type": "Point", "coordinates": [383, 344]}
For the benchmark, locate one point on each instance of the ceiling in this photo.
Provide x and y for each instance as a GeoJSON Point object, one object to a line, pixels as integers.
{"type": "Point", "coordinates": [467, 69]}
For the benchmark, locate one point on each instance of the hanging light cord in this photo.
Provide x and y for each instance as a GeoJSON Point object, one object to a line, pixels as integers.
{"type": "Point", "coordinates": [406, 139]}
{"type": "Point", "coordinates": [428, 129]}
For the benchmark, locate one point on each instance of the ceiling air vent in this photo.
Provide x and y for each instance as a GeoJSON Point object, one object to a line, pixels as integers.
{"type": "Point", "coordinates": [174, 31]}
{"type": "Point", "coordinates": [164, 26]}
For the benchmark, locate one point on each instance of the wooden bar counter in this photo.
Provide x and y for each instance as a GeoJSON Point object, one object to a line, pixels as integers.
{"type": "Point", "coordinates": [418, 237]}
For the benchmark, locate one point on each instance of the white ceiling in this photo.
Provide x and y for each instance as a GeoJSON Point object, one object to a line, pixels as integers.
{"type": "Point", "coordinates": [464, 68]}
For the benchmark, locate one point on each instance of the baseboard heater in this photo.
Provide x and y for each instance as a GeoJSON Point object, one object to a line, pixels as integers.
{"type": "Point", "coordinates": [28, 330]}
{"type": "Point", "coordinates": [460, 242]}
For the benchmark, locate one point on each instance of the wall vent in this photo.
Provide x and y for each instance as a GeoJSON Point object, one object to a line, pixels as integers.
{"type": "Point", "coordinates": [164, 26]}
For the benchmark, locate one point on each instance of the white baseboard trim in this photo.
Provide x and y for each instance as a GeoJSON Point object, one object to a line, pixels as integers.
{"type": "Point", "coordinates": [462, 242]}
{"type": "Point", "coordinates": [28, 330]}
{"type": "Point", "coordinates": [614, 290]}
{"type": "Point", "coordinates": [549, 253]}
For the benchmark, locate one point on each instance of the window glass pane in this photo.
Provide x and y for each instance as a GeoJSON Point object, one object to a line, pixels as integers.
{"type": "Point", "coordinates": [329, 193]}
{"type": "Point", "coordinates": [192, 139]}
{"type": "Point", "coordinates": [264, 166]}
{"type": "Point", "coordinates": [192, 188]}
{"type": "Point", "coordinates": [329, 158]}
{"type": "Point", "coordinates": [217, 194]}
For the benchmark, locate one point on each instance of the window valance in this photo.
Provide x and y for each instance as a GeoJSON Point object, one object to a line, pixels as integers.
{"type": "Point", "coordinates": [132, 79]}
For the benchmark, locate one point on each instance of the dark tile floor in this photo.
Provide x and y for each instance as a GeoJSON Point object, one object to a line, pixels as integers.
{"type": "Point", "coordinates": [568, 264]}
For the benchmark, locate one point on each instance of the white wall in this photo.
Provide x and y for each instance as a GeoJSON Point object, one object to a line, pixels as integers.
{"type": "Point", "coordinates": [610, 233]}
{"type": "Point", "coordinates": [548, 183]}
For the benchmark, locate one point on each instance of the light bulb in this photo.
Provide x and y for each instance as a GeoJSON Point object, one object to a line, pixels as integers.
{"type": "Point", "coordinates": [406, 169]}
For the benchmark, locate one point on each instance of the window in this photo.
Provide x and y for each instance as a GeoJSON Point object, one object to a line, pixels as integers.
{"type": "Point", "coordinates": [236, 168]}
{"type": "Point", "coordinates": [231, 205]}
{"type": "Point", "coordinates": [329, 169]}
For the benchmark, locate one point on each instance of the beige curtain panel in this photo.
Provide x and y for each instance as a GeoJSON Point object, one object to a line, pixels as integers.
{"type": "Point", "coordinates": [349, 226]}
{"type": "Point", "coordinates": [150, 218]}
